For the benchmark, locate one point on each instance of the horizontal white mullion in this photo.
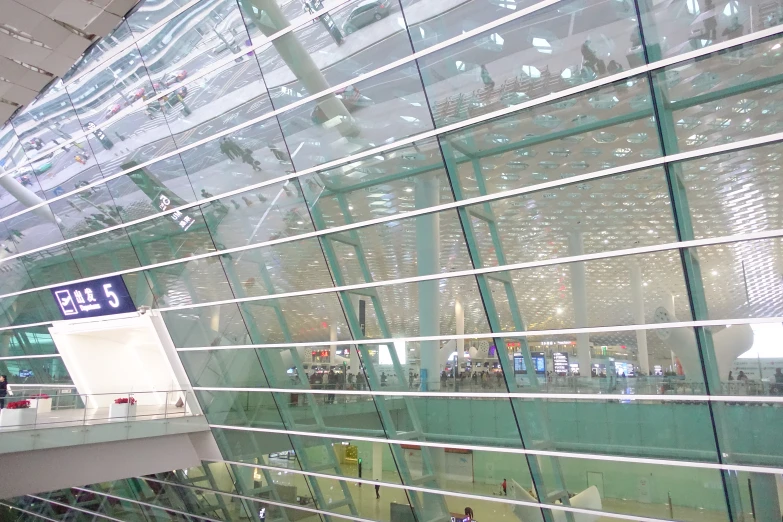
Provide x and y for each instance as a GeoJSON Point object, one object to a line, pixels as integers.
{"type": "Point", "coordinates": [76, 508]}
{"type": "Point", "coordinates": [420, 489]}
{"type": "Point", "coordinates": [212, 68]}
{"type": "Point", "coordinates": [11, 506]}
{"type": "Point", "coordinates": [298, 103]}
{"type": "Point", "coordinates": [429, 210]}
{"type": "Point", "coordinates": [36, 356]}
{"type": "Point", "coordinates": [498, 335]}
{"type": "Point", "coordinates": [142, 503]}
{"type": "Point", "coordinates": [503, 500]}
{"type": "Point", "coordinates": [766, 234]}
{"type": "Point", "coordinates": [449, 128]}
{"type": "Point", "coordinates": [554, 396]}
{"type": "Point", "coordinates": [15, 385]}
{"type": "Point", "coordinates": [263, 500]}
{"type": "Point", "coordinates": [134, 39]}
{"type": "Point", "coordinates": [19, 327]}
{"type": "Point", "coordinates": [519, 451]}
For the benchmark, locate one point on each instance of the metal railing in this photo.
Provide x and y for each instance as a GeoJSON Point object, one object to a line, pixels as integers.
{"type": "Point", "coordinates": [31, 409]}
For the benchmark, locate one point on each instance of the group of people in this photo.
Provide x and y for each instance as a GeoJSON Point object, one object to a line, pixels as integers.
{"type": "Point", "coordinates": [232, 151]}
{"type": "Point", "coordinates": [776, 388]}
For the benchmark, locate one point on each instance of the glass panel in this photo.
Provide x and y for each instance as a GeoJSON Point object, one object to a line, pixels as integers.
{"type": "Point", "coordinates": [207, 326]}
{"type": "Point", "coordinates": [103, 254]}
{"type": "Point", "coordinates": [238, 368]}
{"type": "Point", "coordinates": [294, 319]}
{"type": "Point", "coordinates": [33, 372]}
{"type": "Point", "coordinates": [191, 282]}
{"type": "Point", "coordinates": [551, 297]}
{"type": "Point", "coordinates": [724, 97]}
{"type": "Point", "coordinates": [679, 27]}
{"type": "Point", "coordinates": [613, 213]}
{"type": "Point", "coordinates": [377, 26]}
{"type": "Point", "coordinates": [550, 50]}
{"type": "Point", "coordinates": [26, 341]}
{"type": "Point", "coordinates": [149, 190]}
{"type": "Point", "coordinates": [389, 251]}
{"type": "Point", "coordinates": [99, 53]}
{"type": "Point", "coordinates": [427, 30]}
{"type": "Point", "coordinates": [287, 267]}
{"type": "Point", "coordinates": [49, 266]}
{"type": "Point", "coordinates": [588, 132]}
{"type": "Point", "coordinates": [741, 280]}
{"type": "Point", "coordinates": [152, 12]}
{"type": "Point", "coordinates": [173, 236]}
{"type": "Point", "coordinates": [250, 155]}
{"type": "Point", "coordinates": [30, 308]}
{"type": "Point", "coordinates": [357, 118]}
{"type": "Point", "coordinates": [751, 447]}
{"type": "Point", "coordinates": [257, 216]}
{"type": "Point", "coordinates": [377, 186]}
{"type": "Point", "coordinates": [396, 312]}
{"type": "Point", "coordinates": [733, 193]}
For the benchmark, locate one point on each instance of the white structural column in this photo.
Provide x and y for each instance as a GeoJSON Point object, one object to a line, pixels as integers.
{"type": "Point", "coordinates": [427, 256]}
{"type": "Point", "coordinates": [459, 313]}
{"type": "Point", "coordinates": [377, 461]}
{"type": "Point", "coordinates": [269, 17]}
{"type": "Point", "coordinates": [765, 496]}
{"type": "Point", "coordinates": [579, 294]}
{"type": "Point", "coordinates": [27, 198]}
{"type": "Point", "coordinates": [332, 346]}
{"type": "Point", "coordinates": [637, 295]}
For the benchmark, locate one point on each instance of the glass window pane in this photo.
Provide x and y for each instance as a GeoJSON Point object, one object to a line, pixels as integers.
{"type": "Point", "coordinates": [550, 50]}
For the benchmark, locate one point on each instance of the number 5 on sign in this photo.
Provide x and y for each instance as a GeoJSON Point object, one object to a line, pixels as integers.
{"type": "Point", "coordinates": [114, 301]}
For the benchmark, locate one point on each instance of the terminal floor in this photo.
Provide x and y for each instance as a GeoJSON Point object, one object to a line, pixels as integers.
{"type": "Point", "coordinates": [486, 510]}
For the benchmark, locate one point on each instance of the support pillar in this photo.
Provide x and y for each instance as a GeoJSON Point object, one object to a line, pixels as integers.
{"type": "Point", "coordinates": [332, 346]}
{"type": "Point", "coordinates": [298, 60]}
{"type": "Point", "coordinates": [637, 295]}
{"type": "Point", "coordinates": [459, 313]}
{"type": "Point", "coordinates": [27, 198]}
{"type": "Point", "coordinates": [579, 294]}
{"type": "Point", "coordinates": [377, 461]}
{"type": "Point", "coordinates": [428, 255]}
{"type": "Point", "coordinates": [766, 503]}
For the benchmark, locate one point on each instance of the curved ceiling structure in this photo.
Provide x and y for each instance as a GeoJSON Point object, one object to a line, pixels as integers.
{"type": "Point", "coordinates": [41, 39]}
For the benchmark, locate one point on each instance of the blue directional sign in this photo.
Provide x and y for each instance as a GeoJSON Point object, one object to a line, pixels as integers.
{"type": "Point", "coordinates": [105, 296]}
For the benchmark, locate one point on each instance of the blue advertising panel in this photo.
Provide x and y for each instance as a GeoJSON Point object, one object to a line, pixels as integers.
{"type": "Point", "coordinates": [105, 296]}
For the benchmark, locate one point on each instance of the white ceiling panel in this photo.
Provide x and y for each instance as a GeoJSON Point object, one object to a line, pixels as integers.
{"type": "Point", "coordinates": [41, 39]}
{"type": "Point", "coordinates": [18, 94]}
{"type": "Point", "coordinates": [6, 110]}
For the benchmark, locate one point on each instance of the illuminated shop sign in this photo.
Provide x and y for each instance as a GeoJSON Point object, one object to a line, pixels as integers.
{"type": "Point", "coordinates": [560, 363]}
{"type": "Point", "coordinates": [105, 296]}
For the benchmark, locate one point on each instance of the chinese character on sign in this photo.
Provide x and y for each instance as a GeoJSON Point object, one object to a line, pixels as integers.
{"type": "Point", "coordinates": [88, 293]}
{"type": "Point", "coordinates": [176, 215]}
{"type": "Point", "coordinates": [186, 222]}
{"type": "Point", "coordinates": [164, 202]}
{"type": "Point", "coordinates": [79, 297]}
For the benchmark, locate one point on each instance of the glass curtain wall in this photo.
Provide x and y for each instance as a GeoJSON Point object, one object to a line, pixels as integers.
{"type": "Point", "coordinates": [420, 256]}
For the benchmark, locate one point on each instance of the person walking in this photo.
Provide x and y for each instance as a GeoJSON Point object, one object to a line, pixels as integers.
{"type": "Point", "coordinates": [486, 78]}
{"type": "Point", "coordinates": [504, 485]}
{"type": "Point", "coordinates": [377, 492]}
{"type": "Point", "coordinates": [3, 390]}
